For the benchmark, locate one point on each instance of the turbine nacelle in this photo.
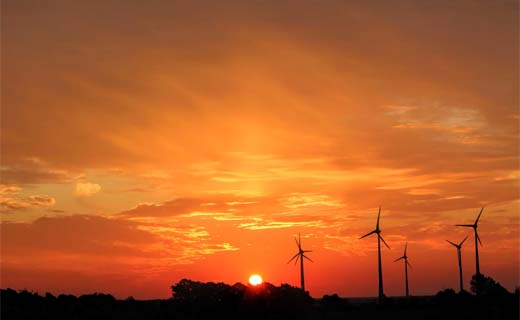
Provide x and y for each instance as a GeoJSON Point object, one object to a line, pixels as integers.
{"type": "Point", "coordinates": [458, 246]}
{"type": "Point", "coordinates": [377, 230]}
{"type": "Point", "coordinates": [301, 252]}
{"type": "Point", "coordinates": [474, 226]}
{"type": "Point", "coordinates": [404, 256]}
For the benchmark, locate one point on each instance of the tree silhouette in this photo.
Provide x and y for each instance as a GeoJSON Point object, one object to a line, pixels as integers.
{"type": "Point", "coordinates": [482, 285]}
{"type": "Point", "coordinates": [199, 300]}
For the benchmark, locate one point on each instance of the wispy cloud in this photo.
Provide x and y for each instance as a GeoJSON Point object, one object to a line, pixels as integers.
{"type": "Point", "coordinates": [11, 200]}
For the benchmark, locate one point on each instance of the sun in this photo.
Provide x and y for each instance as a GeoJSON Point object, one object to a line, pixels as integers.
{"type": "Point", "coordinates": [255, 279]}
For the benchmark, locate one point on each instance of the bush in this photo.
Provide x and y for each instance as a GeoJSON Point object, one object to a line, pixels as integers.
{"type": "Point", "coordinates": [486, 286]}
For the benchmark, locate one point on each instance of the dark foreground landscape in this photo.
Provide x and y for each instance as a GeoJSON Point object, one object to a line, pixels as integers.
{"type": "Point", "coordinates": [197, 300]}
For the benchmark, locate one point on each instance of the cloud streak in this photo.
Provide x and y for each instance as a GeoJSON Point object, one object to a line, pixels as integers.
{"type": "Point", "coordinates": [11, 200]}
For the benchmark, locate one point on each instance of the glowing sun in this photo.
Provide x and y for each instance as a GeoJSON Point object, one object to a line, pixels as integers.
{"type": "Point", "coordinates": [255, 279]}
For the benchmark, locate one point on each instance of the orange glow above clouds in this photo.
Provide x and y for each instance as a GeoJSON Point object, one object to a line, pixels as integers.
{"type": "Point", "coordinates": [146, 143]}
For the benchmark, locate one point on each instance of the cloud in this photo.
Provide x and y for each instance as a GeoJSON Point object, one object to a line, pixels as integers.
{"type": "Point", "coordinates": [82, 234]}
{"type": "Point", "coordinates": [279, 224]}
{"type": "Point", "coordinates": [9, 189]}
{"type": "Point", "coordinates": [87, 189]}
{"type": "Point", "coordinates": [205, 205]}
{"type": "Point", "coordinates": [85, 242]}
{"type": "Point", "coordinates": [304, 92]}
{"type": "Point", "coordinates": [460, 125]}
{"type": "Point", "coordinates": [255, 213]}
{"type": "Point", "coordinates": [170, 208]}
{"type": "Point", "coordinates": [32, 170]}
{"type": "Point", "coordinates": [41, 201]}
{"type": "Point", "coordinates": [298, 200]}
{"type": "Point", "coordinates": [11, 200]}
{"type": "Point", "coordinates": [8, 205]}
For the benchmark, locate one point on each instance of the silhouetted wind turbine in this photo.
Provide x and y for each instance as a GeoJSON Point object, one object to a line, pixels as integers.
{"type": "Point", "coordinates": [459, 256]}
{"type": "Point", "coordinates": [477, 238]}
{"type": "Point", "coordinates": [300, 255]}
{"type": "Point", "coordinates": [379, 238]}
{"type": "Point", "coordinates": [406, 264]}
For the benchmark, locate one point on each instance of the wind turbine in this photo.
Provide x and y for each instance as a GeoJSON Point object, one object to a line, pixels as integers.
{"type": "Point", "coordinates": [300, 255]}
{"type": "Point", "coordinates": [379, 238]}
{"type": "Point", "coordinates": [459, 256]}
{"type": "Point", "coordinates": [406, 264]}
{"type": "Point", "coordinates": [477, 238]}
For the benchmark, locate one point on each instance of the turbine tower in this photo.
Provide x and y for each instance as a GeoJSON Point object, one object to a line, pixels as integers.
{"type": "Point", "coordinates": [379, 239]}
{"type": "Point", "coordinates": [477, 238]}
{"type": "Point", "coordinates": [459, 256]}
{"type": "Point", "coordinates": [300, 255]}
{"type": "Point", "coordinates": [406, 264]}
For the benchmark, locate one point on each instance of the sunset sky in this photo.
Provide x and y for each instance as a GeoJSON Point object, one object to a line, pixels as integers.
{"type": "Point", "coordinates": [143, 142]}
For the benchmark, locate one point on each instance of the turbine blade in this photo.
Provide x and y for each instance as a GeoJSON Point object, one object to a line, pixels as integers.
{"type": "Point", "coordinates": [453, 244]}
{"type": "Point", "coordinates": [460, 245]}
{"type": "Point", "coordinates": [399, 259]}
{"type": "Point", "coordinates": [307, 258]}
{"type": "Point", "coordinates": [478, 238]}
{"type": "Point", "coordinates": [307, 251]}
{"type": "Point", "coordinates": [476, 221]}
{"type": "Point", "coordinates": [378, 215]}
{"type": "Point", "coordinates": [405, 246]}
{"type": "Point", "coordinates": [408, 263]}
{"type": "Point", "coordinates": [366, 235]}
{"type": "Point", "coordinates": [295, 256]}
{"type": "Point", "coordinates": [298, 257]}
{"type": "Point", "coordinates": [297, 244]}
{"type": "Point", "coordinates": [465, 225]}
{"type": "Point", "coordinates": [384, 242]}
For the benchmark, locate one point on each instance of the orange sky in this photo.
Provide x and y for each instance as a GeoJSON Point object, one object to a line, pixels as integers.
{"type": "Point", "coordinates": [146, 143]}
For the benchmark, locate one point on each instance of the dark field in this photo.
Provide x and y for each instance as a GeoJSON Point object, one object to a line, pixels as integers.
{"type": "Point", "coordinates": [194, 300]}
